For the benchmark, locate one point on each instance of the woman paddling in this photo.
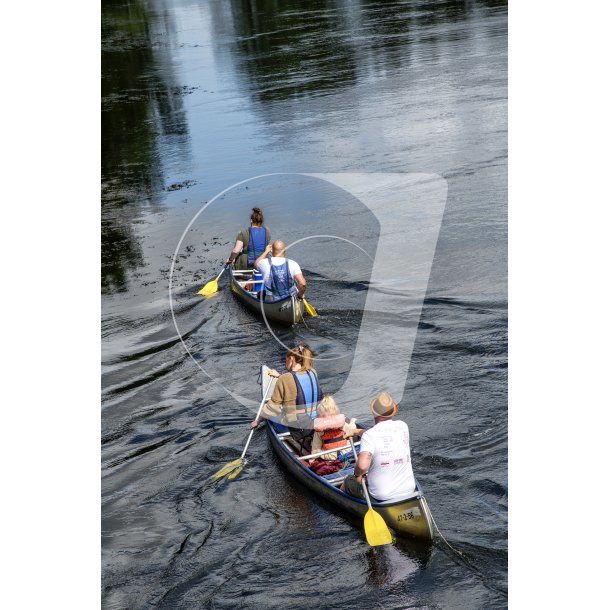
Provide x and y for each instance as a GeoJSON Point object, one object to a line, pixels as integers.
{"type": "Point", "coordinates": [250, 243]}
{"type": "Point", "coordinates": [294, 399]}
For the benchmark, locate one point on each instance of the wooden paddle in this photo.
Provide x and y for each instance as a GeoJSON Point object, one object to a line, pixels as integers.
{"type": "Point", "coordinates": [211, 287]}
{"type": "Point", "coordinates": [232, 469]}
{"type": "Point", "coordinates": [375, 529]}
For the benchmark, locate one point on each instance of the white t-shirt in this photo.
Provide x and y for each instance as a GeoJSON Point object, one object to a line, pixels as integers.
{"type": "Point", "coordinates": [390, 475]}
{"type": "Point", "coordinates": [265, 266]}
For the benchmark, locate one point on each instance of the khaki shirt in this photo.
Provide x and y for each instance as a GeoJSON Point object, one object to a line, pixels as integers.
{"type": "Point", "coordinates": [284, 400]}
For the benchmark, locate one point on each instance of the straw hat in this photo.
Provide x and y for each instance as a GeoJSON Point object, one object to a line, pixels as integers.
{"type": "Point", "coordinates": [383, 405]}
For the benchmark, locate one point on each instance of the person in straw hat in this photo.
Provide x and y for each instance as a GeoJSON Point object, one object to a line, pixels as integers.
{"type": "Point", "coordinates": [384, 456]}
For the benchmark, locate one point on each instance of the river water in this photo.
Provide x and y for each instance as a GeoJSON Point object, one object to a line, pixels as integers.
{"type": "Point", "coordinates": [276, 96]}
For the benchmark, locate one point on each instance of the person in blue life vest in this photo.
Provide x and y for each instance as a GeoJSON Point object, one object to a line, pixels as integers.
{"type": "Point", "coordinates": [295, 397]}
{"type": "Point", "coordinates": [384, 457]}
{"type": "Point", "coordinates": [282, 276]}
{"type": "Point", "coordinates": [250, 243]}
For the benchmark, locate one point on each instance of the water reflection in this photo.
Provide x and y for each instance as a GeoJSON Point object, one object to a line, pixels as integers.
{"type": "Point", "coordinates": [407, 97]}
{"type": "Point", "coordinates": [305, 48]}
{"type": "Point", "coordinates": [120, 252]}
{"type": "Point", "coordinates": [395, 563]}
{"type": "Point", "coordinates": [294, 49]}
{"type": "Point", "coordinates": [143, 121]}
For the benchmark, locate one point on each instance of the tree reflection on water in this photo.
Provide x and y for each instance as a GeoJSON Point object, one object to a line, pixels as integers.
{"type": "Point", "coordinates": [142, 110]}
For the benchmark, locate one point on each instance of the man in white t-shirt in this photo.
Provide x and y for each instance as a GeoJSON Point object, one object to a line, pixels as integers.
{"type": "Point", "coordinates": [384, 456]}
{"type": "Point", "coordinates": [281, 276]}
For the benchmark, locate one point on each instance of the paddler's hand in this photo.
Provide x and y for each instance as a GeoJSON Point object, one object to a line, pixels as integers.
{"type": "Point", "coordinates": [349, 429]}
{"type": "Point", "coordinates": [273, 373]}
{"type": "Point", "coordinates": [357, 433]}
{"type": "Point", "coordinates": [254, 423]}
{"type": "Point", "coordinates": [359, 474]}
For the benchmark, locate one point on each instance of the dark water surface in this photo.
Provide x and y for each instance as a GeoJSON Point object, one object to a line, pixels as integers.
{"type": "Point", "coordinates": [198, 96]}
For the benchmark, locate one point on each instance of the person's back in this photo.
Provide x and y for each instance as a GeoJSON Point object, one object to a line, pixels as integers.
{"type": "Point", "coordinates": [295, 396]}
{"type": "Point", "coordinates": [258, 238]}
{"type": "Point", "coordinates": [250, 242]}
{"type": "Point", "coordinates": [282, 276]}
{"type": "Point", "coordinates": [384, 456]}
{"type": "Point", "coordinates": [390, 475]}
{"type": "Point", "coordinates": [279, 282]}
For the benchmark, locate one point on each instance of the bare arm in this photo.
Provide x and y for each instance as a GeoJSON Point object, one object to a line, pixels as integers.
{"type": "Point", "coordinates": [301, 284]}
{"type": "Point", "coordinates": [236, 250]}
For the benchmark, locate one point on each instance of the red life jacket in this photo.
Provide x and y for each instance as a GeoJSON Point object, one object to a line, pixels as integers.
{"type": "Point", "coordinates": [333, 439]}
{"type": "Point", "coordinates": [332, 431]}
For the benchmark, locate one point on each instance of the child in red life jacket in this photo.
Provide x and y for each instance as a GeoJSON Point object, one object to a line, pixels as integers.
{"type": "Point", "coordinates": [329, 429]}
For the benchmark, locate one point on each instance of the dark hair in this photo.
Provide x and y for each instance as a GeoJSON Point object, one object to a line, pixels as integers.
{"type": "Point", "coordinates": [257, 216]}
{"type": "Point", "coordinates": [303, 355]}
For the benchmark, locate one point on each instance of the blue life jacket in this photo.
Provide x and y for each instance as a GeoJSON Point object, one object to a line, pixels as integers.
{"type": "Point", "coordinates": [308, 391]}
{"type": "Point", "coordinates": [279, 284]}
{"type": "Point", "coordinates": [256, 243]}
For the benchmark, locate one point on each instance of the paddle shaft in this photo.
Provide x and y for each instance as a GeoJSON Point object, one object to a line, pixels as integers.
{"type": "Point", "coordinates": [259, 412]}
{"type": "Point", "coordinates": [366, 491]}
{"type": "Point", "coordinates": [223, 270]}
{"type": "Point", "coordinates": [212, 286]}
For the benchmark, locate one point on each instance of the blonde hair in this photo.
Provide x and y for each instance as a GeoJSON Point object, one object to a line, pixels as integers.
{"type": "Point", "coordinates": [303, 355]}
{"type": "Point", "coordinates": [327, 406]}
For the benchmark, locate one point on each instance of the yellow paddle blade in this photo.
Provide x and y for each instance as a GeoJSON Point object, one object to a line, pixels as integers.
{"type": "Point", "coordinates": [209, 289]}
{"type": "Point", "coordinates": [227, 468]}
{"type": "Point", "coordinates": [375, 529]}
{"type": "Point", "coordinates": [309, 309]}
{"type": "Point", "coordinates": [236, 472]}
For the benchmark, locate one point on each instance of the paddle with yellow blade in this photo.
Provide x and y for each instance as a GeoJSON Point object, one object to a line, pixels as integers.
{"type": "Point", "coordinates": [309, 309]}
{"type": "Point", "coordinates": [375, 529]}
{"type": "Point", "coordinates": [212, 287]}
{"type": "Point", "coordinates": [232, 469]}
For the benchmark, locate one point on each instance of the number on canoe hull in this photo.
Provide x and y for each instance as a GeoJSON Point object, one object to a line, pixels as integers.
{"type": "Point", "coordinates": [410, 514]}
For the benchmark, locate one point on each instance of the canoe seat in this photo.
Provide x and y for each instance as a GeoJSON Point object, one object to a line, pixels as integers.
{"type": "Point", "coordinates": [244, 284]}
{"type": "Point", "coordinates": [294, 447]}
